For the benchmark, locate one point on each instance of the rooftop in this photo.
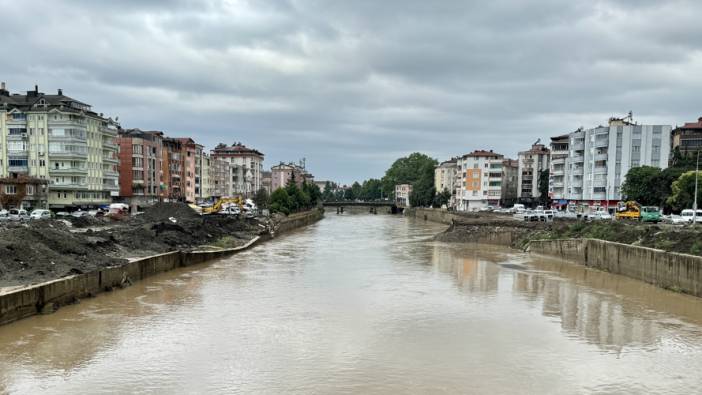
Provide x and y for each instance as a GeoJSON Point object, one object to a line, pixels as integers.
{"type": "Point", "coordinates": [692, 125]}
{"type": "Point", "coordinates": [483, 153]}
{"type": "Point", "coordinates": [236, 149]}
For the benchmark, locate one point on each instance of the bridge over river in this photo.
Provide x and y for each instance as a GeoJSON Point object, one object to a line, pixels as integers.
{"type": "Point", "coordinates": [365, 304]}
{"type": "Point", "coordinates": [369, 207]}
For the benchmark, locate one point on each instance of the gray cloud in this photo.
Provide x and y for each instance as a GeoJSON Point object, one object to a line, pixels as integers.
{"type": "Point", "coordinates": [353, 85]}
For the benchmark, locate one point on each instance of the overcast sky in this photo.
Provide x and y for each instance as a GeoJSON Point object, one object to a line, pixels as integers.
{"type": "Point", "coordinates": [353, 85]}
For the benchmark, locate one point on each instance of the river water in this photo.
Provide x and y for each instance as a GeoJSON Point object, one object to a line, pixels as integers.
{"type": "Point", "coordinates": [365, 304]}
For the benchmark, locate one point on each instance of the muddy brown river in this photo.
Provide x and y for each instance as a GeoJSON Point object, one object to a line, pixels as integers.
{"type": "Point", "coordinates": [364, 304]}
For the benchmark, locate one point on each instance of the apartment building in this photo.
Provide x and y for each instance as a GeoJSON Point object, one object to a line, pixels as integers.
{"type": "Point", "coordinates": [204, 183]}
{"type": "Point", "coordinates": [687, 138]}
{"type": "Point", "coordinates": [63, 141]}
{"type": "Point", "coordinates": [531, 163]}
{"type": "Point", "coordinates": [402, 194]}
{"type": "Point", "coordinates": [282, 173]}
{"type": "Point", "coordinates": [141, 158]}
{"type": "Point", "coordinates": [600, 158]}
{"type": "Point", "coordinates": [246, 167]}
{"type": "Point", "coordinates": [267, 181]}
{"type": "Point", "coordinates": [23, 191]}
{"type": "Point", "coordinates": [510, 182]}
{"type": "Point", "coordinates": [445, 175]}
{"type": "Point", "coordinates": [220, 177]}
{"type": "Point", "coordinates": [558, 182]}
{"type": "Point", "coordinates": [480, 184]}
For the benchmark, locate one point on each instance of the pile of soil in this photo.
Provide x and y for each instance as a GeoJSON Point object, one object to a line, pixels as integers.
{"type": "Point", "coordinates": [44, 250]}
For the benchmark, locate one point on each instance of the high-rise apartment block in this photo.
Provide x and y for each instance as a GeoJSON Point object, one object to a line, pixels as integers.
{"type": "Point", "coordinates": [63, 141]}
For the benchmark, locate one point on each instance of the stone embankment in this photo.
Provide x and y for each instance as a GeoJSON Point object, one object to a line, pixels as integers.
{"type": "Point", "coordinates": [23, 301]}
{"type": "Point", "coordinates": [616, 247]}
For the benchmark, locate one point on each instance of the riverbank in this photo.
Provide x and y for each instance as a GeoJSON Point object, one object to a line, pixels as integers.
{"type": "Point", "coordinates": [673, 263]}
{"type": "Point", "coordinates": [26, 300]}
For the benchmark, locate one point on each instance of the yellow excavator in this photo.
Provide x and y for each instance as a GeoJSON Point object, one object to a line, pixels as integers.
{"type": "Point", "coordinates": [628, 210]}
{"type": "Point", "coordinates": [221, 202]}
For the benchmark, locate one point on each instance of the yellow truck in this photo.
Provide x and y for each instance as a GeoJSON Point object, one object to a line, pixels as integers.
{"type": "Point", "coordinates": [628, 210]}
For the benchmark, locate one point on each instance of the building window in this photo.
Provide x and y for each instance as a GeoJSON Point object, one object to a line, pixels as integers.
{"type": "Point", "coordinates": [10, 189]}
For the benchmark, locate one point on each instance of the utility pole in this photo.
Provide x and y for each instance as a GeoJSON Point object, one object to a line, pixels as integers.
{"type": "Point", "coordinates": [694, 205]}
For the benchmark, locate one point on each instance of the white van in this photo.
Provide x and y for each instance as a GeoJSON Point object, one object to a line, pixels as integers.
{"type": "Point", "coordinates": [689, 214]}
{"type": "Point", "coordinates": [518, 209]}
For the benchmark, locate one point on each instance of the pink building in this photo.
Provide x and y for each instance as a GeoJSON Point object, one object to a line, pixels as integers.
{"type": "Point", "coordinates": [282, 174]}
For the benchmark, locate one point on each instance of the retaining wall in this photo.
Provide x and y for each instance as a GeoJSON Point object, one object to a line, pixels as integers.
{"type": "Point", "coordinates": [433, 215]}
{"type": "Point", "coordinates": [46, 297]}
{"type": "Point", "coordinates": [680, 272]}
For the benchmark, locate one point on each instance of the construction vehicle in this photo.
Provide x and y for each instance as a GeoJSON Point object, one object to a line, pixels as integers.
{"type": "Point", "coordinates": [650, 214]}
{"type": "Point", "coordinates": [628, 210]}
{"type": "Point", "coordinates": [222, 203]}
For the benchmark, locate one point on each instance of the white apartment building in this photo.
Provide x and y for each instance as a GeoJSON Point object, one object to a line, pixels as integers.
{"type": "Point", "coordinates": [246, 167]}
{"type": "Point", "coordinates": [402, 194]}
{"type": "Point", "coordinates": [61, 140]}
{"type": "Point", "coordinates": [599, 158]}
{"type": "Point", "coordinates": [558, 182]}
{"type": "Point", "coordinates": [445, 178]}
{"type": "Point", "coordinates": [480, 185]}
{"type": "Point", "coordinates": [531, 164]}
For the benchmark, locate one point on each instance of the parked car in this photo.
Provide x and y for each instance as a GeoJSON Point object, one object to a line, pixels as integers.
{"type": "Point", "coordinates": [63, 214]}
{"type": "Point", "coordinates": [80, 213]}
{"type": "Point", "coordinates": [517, 209]}
{"type": "Point", "coordinates": [18, 215]}
{"type": "Point", "coordinates": [4, 215]}
{"type": "Point", "coordinates": [600, 216]}
{"type": "Point", "coordinates": [40, 214]}
{"type": "Point", "coordinates": [231, 210]}
{"type": "Point", "coordinates": [675, 219]}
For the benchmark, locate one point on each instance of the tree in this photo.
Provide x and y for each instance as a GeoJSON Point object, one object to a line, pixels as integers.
{"type": "Point", "coordinates": [683, 191]}
{"type": "Point", "coordinates": [641, 185]}
{"type": "Point", "coordinates": [442, 198]}
{"type": "Point", "coordinates": [356, 190]}
{"type": "Point", "coordinates": [280, 201]}
{"type": "Point", "coordinates": [313, 192]}
{"type": "Point", "coordinates": [328, 193]}
{"type": "Point", "coordinates": [409, 170]}
{"type": "Point", "coordinates": [261, 198]}
{"type": "Point", "coordinates": [544, 199]}
{"type": "Point", "coordinates": [348, 194]}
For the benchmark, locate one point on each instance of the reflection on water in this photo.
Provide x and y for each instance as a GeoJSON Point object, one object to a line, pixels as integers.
{"type": "Point", "coordinates": [365, 304]}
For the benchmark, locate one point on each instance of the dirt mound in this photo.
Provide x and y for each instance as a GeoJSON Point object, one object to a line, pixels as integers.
{"type": "Point", "coordinates": [161, 212]}
{"type": "Point", "coordinates": [87, 221]}
{"type": "Point", "coordinates": [32, 253]}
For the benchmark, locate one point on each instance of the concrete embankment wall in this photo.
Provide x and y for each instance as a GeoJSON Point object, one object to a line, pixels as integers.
{"type": "Point", "coordinates": [680, 272]}
{"type": "Point", "coordinates": [46, 297]}
{"type": "Point", "coordinates": [433, 215]}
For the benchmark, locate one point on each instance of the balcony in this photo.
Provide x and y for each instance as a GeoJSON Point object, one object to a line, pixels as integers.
{"type": "Point", "coordinates": [68, 170]}
{"type": "Point", "coordinates": [600, 170]}
{"type": "Point", "coordinates": [68, 186]}
{"type": "Point", "coordinates": [578, 171]}
{"type": "Point", "coordinates": [601, 143]}
{"type": "Point", "coordinates": [68, 154]}
{"type": "Point", "coordinates": [558, 172]}
{"type": "Point", "coordinates": [599, 196]}
{"type": "Point", "coordinates": [558, 161]}
{"type": "Point", "coordinates": [578, 146]}
{"type": "Point", "coordinates": [577, 182]}
{"type": "Point", "coordinates": [577, 158]}
{"type": "Point", "coordinates": [603, 156]}
{"type": "Point", "coordinates": [557, 184]}
{"type": "Point", "coordinates": [599, 183]}
{"type": "Point", "coordinates": [110, 159]}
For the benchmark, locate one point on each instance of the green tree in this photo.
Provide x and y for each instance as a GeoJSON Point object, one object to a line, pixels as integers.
{"type": "Point", "coordinates": [356, 190]}
{"type": "Point", "coordinates": [313, 192]}
{"type": "Point", "coordinates": [423, 190]}
{"type": "Point", "coordinates": [261, 198]}
{"type": "Point", "coordinates": [348, 194]}
{"type": "Point", "coordinates": [280, 201]}
{"type": "Point", "coordinates": [328, 193]}
{"type": "Point", "coordinates": [683, 191]}
{"type": "Point", "coordinates": [641, 185]}
{"type": "Point", "coordinates": [371, 189]}
{"type": "Point", "coordinates": [409, 170]}
{"type": "Point", "coordinates": [441, 198]}
{"type": "Point", "coordinates": [544, 199]}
